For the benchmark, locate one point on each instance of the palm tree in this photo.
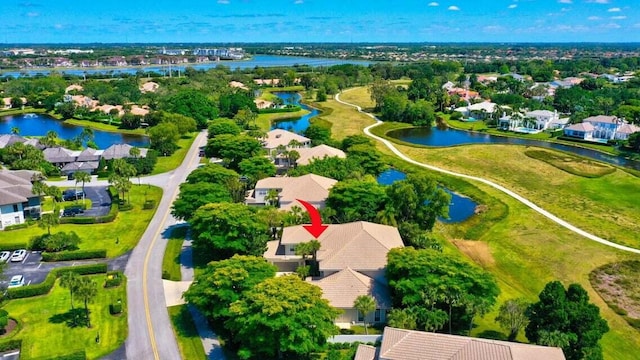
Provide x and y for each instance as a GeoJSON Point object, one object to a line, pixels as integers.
{"type": "Point", "coordinates": [365, 304]}
{"type": "Point", "coordinates": [70, 280]}
{"type": "Point", "coordinates": [55, 194]}
{"type": "Point", "coordinates": [87, 291]}
{"type": "Point", "coordinates": [81, 176]}
{"type": "Point", "coordinates": [15, 130]}
{"type": "Point", "coordinates": [48, 220]}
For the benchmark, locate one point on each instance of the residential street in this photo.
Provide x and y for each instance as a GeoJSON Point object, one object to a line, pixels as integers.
{"type": "Point", "coordinates": [150, 331]}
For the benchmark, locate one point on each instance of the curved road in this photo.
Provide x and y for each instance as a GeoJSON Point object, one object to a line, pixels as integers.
{"type": "Point", "coordinates": [514, 195]}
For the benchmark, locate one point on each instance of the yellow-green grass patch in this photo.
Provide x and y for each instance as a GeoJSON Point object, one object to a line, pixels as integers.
{"type": "Point", "coordinates": [171, 261]}
{"type": "Point", "coordinates": [186, 332]}
{"type": "Point", "coordinates": [572, 164]}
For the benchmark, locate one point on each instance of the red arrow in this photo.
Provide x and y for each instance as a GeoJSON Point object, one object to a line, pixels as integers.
{"type": "Point", "coordinates": [316, 228]}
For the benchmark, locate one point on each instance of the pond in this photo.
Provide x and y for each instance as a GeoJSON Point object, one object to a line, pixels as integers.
{"type": "Point", "coordinates": [460, 208]}
{"type": "Point", "coordinates": [439, 136]}
{"type": "Point", "coordinates": [297, 125]}
{"type": "Point", "coordinates": [39, 125]}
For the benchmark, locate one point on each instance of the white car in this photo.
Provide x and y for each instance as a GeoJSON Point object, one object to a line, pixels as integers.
{"type": "Point", "coordinates": [4, 256]}
{"type": "Point", "coordinates": [18, 255]}
{"type": "Point", "coordinates": [16, 281]}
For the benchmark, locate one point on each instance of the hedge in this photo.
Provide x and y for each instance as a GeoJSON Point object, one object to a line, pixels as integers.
{"type": "Point", "coordinates": [45, 286]}
{"type": "Point", "coordinates": [78, 355]}
{"type": "Point", "coordinates": [74, 255]}
{"type": "Point", "coordinates": [149, 204]}
{"type": "Point", "coordinates": [13, 344]}
{"type": "Point", "coordinates": [114, 278]}
{"type": "Point", "coordinates": [281, 110]}
{"type": "Point", "coordinates": [74, 206]}
{"type": "Point", "coordinates": [13, 246]}
{"type": "Point", "coordinates": [115, 309]}
{"type": "Point", "coordinates": [16, 226]}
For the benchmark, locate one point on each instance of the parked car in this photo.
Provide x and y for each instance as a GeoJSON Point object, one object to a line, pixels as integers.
{"type": "Point", "coordinates": [4, 256]}
{"type": "Point", "coordinates": [72, 211]}
{"type": "Point", "coordinates": [72, 194]}
{"type": "Point", "coordinates": [16, 281]}
{"type": "Point", "coordinates": [18, 255]}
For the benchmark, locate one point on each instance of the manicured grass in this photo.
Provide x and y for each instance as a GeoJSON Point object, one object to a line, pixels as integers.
{"type": "Point", "coordinates": [126, 230]}
{"type": "Point", "coordinates": [171, 260]}
{"type": "Point", "coordinates": [48, 205]}
{"type": "Point", "coordinates": [104, 127]}
{"type": "Point", "coordinates": [168, 163]}
{"type": "Point", "coordinates": [618, 285]}
{"type": "Point", "coordinates": [186, 333]}
{"type": "Point", "coordinates": [294, 88]}
{"type": "Point", "coordinates": [572, 164]}
{"type": "Point", "coordinates": [264, 121]}
{"type": "Point", "coordinates": [359, 96]}
{"type": "Point", "coordinates": [45, 333]}
{"type": "Point", "coordinates": [345, 120]}
{"type": "Point", "coordinates": [26, 110]}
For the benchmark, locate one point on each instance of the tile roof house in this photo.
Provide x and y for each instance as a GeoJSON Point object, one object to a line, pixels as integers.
{"type": "Point", "coordinates": [400, 344]}
{"type": "Point", "coordinates": [343, 288]}
{"type": "Point", "coordinates": [89, 154]}
{"type": "Point", "coordinates": [361, 246]}
{"type": "Point", "coordinates": [17, 201]}
{"type": "Point", "coordinates": [581, 130]}
{"type": "Point", "coordinates": [318, 152]}
{"type": "Point", "coordinates": [59, 156]}
{"type": "Point", "coordinates": [625, 130]}
{"type": "Point", "coordinates": [605, 127]}
{"type": "Point", "coordinates": [86, 166]}
{"type": "Point", "coordinates": [312, 188]}
{"type": "Point", "coordinates": [119, 151]}
{"type": "Point", "coordinates": [278, 137]}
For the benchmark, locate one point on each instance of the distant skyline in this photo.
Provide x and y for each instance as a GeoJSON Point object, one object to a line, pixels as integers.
{"type": "Point", "coordinates": [251, 21]}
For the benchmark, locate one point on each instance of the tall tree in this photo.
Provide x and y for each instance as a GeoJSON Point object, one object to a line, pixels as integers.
{"type": "Point", "coordinates": [87, 291]}
{"type": "Point", "coordinates": [83, 177]}
{"type": "Point", "coordinates": [282, 316]}
{"type": "Point", "coordinates": [512, 316]}
{"type": "Point", "coordinates": [49, 220]}
{"type": "Point", "coordinates": [569, 312]}
{"type": "Point", "coordinates": [365, 304]}
{"type": "Point", "coordinates": [70, 280]}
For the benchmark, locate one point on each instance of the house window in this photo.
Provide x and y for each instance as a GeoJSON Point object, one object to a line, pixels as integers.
{"type": "Point", "coordinates": [15, 207]}
{"type": "Point", "coordinates": [17, 219]}
{"type": "Point", "coordinates": [292, 249]}
{"type": "Point", "coordinates": [377, 315]}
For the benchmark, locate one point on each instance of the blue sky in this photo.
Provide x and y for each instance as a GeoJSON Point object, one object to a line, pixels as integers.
{"type": "Point", "coordinates": [47, 21]}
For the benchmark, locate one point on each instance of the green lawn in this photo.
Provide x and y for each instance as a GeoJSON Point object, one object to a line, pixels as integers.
{"type": "Point", "coordinates": [171, 260]}
{"type": "Point", "coordinates": [185, 329]}
{"type": "Point", "coordinates": [45, 333]}
{"type": "Point", "coordinates": [104, 127]}
{"type": "Point", "coordinates": [126, 230]}
{"type": "Point", "coordinates": [168, 163]}
{"type": "Point", "coordinates": [26, 110]}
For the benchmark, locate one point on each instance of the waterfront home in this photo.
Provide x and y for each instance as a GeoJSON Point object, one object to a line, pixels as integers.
{"type": "Point", "coordinates": [263, 104]}
{"type": "Point", "coordinates": [279, 137]}
{"type": "Point", "coordinates": [625, 130]}
{"type": "Point", "coordinates": [402, 344]}
{"type": "Point", "coordinates": [10, 139]}
{"type": "Point", "coordinates": [120, 151]}
{"type": "Point", "coordinates": [312, 188]}
{"type": "Point", "coordinates": [582, 131]}
{"type": "Point", "coordinates": [343, 288]}
{"type": "Point", "coordinates": [60, 156]}
{"type": "Point", "coordinates": [480, 110]}
{"type": "Point", "coordinates": [6, 102]}
{"type": "Point", "coordinates": [17, 201]}
{"type": "Point", "coordinates": [541, 119]}
{"type": "Point", "coordinates": [307, 155]}
{"type": "Point", "coordinates": [604, 127]}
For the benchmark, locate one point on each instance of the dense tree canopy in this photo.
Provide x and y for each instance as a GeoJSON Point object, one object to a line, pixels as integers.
{"type": "Point", "coordinates": [212, 173]}
{"type": "Point", "coordinates": [568, 312]}
{"type": "Point", "coordinates": [223, 126]}
{"type": "Point", "coordinates": [191, 103]}
{"type": "Point", "coordinates": [282, 317]}
{"type": "Point", "coordinates": [353, 200]}
{"type": "Point", "coordinates": [233, 148]}
{"type": "Point", "coordinates": [224, 229]}
{"type": "Point", "coordinates": [193, 196]}
{"type": "Point", "coordinates": [439, 288]}
{"type": "Point", "coordinates": [256, 168]}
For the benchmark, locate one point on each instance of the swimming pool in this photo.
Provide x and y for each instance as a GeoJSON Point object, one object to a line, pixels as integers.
{"type": "Point", "coordinates": [526, 130]}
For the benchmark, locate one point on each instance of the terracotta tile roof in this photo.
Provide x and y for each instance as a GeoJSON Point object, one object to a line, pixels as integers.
{"type": "Point", "coordinates": [399, 344]}
{"type": "Point", "coordinates": [581, 127]}
{"type": "Point", "coordinates": [628, 129]}
{"type": "Point", "coordinates": [359, 245]}
{"type": "Point", "coordinates": [602, 119]}
{"type": "Point", "coordinates": [343, 287]}
{"type": "Point", "coordinates": [279, 137]}
{"type": "Point", "coordinates": [365, 352]}
{"type": "Point", "coordinates": [318, 152]}
{"type": "Point", "coordinates": [311, 188]}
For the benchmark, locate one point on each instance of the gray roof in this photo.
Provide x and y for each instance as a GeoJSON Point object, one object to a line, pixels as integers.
{"type": "Point", "coordinates": [14, 188]}
{"type": "Point", "coordinates": [119, 151]}
{"type": "Point", "coordinates": [58, 155]}
{"type": "Point", "coordinates": [89, 154]}
{"type": "Point", "coordinates": [80, 166]}
{"type": "Point", "coordinates": [9, 139]}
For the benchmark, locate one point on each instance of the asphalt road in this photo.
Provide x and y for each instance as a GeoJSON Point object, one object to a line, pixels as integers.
{"type": "Point", "coordinates": [150, 332]}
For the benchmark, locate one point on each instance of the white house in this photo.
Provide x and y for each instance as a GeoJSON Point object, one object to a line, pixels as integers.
{"type": "Point", "coordinates": [307, 155]}
{"type": "Point", "coordinates": [581, 130]}
{"type": "Point", "coordinates": [604, 127]}
{"type": "Point", "coordinates": [479, 110]}
{"type": "Point", "coordinates": [279, 137]}
{"type": "Point", "coordinates": [17, 200]}
{"type": "Point", "coordinates": [625, 130]}
{"type": "Point", "coordinates": [311, 188]}
{"type": "Point", "coordinates": [543, 118]}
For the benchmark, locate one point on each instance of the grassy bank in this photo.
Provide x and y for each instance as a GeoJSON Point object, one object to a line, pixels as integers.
{"type": "Point", "coordinates": [168, 163]}
{"type": "Point", "coordinates": [45, 333]}
{"type": "Point", "coordinates": [117, 237]}
{"type": "Point", "coordinates": [25, 110]}
{"type": "Point", "coordinates": [264, 121]}
{"type": "Point", "coordinates": [104, 127]}
{"type": "Point", "coordinates": [186, 333]}
{"type": "Point", "coordinates": [171, 261]}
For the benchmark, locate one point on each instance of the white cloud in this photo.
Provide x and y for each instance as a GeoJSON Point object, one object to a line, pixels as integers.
{"type": "Point", "coordinates": [58, 26]}
{"type": "Point", "coordinates": [433, 4]}
{"type": "Point", "coordinates": [297, 2]}
{"type": "Point", "coordinates": [619, 17]}
{"type": "Point", "coordinates": [616, 9]}
{"type": "Point", "coordinates": [225, 2]}
{"type": "Point", "coordinates": [33, 14]}
{"type": "Point", "coordinates": [453, 8]}
{"type": "Point", "coordinates": [593, 18]}
{"type": "Point", "coordinates": [611, 26]}
{"type": "Point", "coordinates": [513, 6]}
{"type": "Point", "coordinates": [565, 1]}
{"type": "Point", "coordinates": [599, 1]}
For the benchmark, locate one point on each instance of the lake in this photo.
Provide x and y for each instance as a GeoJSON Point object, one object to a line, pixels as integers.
{"type": "Point", "coordinates": [39, 125]}
{"type": "Point", "coordinates": [255, 61]}
{"type": "Point", "coordinates": [460, 208]}
{"type": "Point", "coordinates": [297, 125]}
{"type": "Point", "coordinates": [438, 136]}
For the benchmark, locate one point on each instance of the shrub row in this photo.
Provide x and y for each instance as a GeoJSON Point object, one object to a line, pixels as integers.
{"type": "Point", "coordinates": [115, 309]}
{"type": "Point", "coordinates": [281, 110]}
{"type": "Point", "coordinates": [45, 286]}
{"type": "Point", "coordinates": [149, 204]}
{"type": "Point", "coordinates": [78, 355]}
{"type": "Point", "coordinates": [13, 344]}
{"type": "Point", "coordinates": [74, 255]}
{"type": "Point", "coordinates": [114, 278]}
{"type": "Point", "coordinates": [16, 226]}
{"type": "Point", "coordinates": [13, 246]}
{"type": "Point", "coordinates": [73, 205]}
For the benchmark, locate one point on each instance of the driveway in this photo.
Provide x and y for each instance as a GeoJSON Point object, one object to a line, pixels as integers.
{"type": "Point", "coordinates": [100, 201]}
